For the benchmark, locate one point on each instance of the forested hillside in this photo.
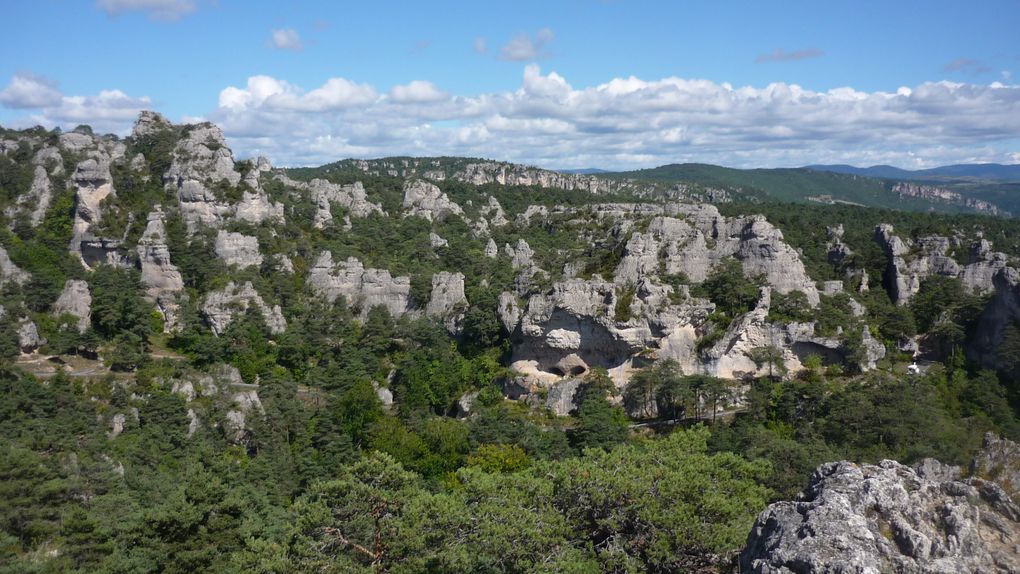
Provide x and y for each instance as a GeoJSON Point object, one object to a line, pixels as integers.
{"type": "Point", "coordinates": [459, 365]}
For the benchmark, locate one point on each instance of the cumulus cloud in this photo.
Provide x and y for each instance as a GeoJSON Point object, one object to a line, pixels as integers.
{"type": "Point", "coordinates": [624, 123]}
{"type": "Point", "coordinates": [417, 92]}
{"type": "Point", "coordinates": [167, 10]}
{"type": "Point", "coordinates": [27, 90]}
{"type": "Point", "coordinates": [780, 55]}
{"type": "Point", "coordinates": [286, 39]}
{"type": "Point", "coordinates": [108, 111]}
{"type": "Point", "coordinates": [523, 47]}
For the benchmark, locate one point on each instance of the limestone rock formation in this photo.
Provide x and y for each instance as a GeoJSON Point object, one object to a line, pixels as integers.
{"type": "Point", "coordinates": [362, 288]}
{"type": "Point", "coordinates": [238, 250]}
{"type": "Point", "coordinates": [9, 272]}
{"type": "Point", "coordinates": [28, 335]}
{"type": "Point", "coordinates": [150, 123]}
{"type": "Point", "coordinates": [93, 183]}
{"type": "Point", "coordinates": [75, 300]}
{"type": "Point", "coordinates": [491, 249]}
{"type": "Point", "coordinates": [888, 518]}
{"type": "Point", "coordinates": [162, 279]}
{"type": "Point", "coordinates": [694, 238]}
{"type": "Point", "coordinates": [255, 208]}
{"type": "Point", "coordinates": [999, 460]}
{"type": "Point", "coordinates": [448, 301]}
{"type": "Point", "coordinates": [201, 160]}
{"type": "Point", "coordinates": [424, 199]}
{"type": "Point", "coordinates": [323, 193]}
{"type": "Point", "coordinates": [220, 307]}
{"type": "Point", "coordinates": [437, 242]}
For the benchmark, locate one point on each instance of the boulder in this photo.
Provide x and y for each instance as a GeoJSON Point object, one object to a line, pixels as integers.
{"type": "Point", "coordinates": [75, 300]}
{"type": "Point", "coordinates": [887, 518]}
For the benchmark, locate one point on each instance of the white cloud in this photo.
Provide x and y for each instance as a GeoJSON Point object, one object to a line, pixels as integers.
{"type": "Point", "coordinates": [620, 124]}
{"type": "Point", "coordinates": [286, 39]}
{"type": "Point", "coordinates": [27, 90]}
{"type": "Point", "coordinates": [480, 45]}
{"type": "Point", "coordinates": [523, 47]}
{"type": "Point", "coordinates": [624, 123]}
{"type": "Point", "coordinates": [417, 92]}
{"type": "Point", "coordinates": [167, 10]}
{"type": "Point", "coordinates": [109, 111]}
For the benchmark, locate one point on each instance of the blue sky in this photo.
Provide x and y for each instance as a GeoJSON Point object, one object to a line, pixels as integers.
{"type": "Point", "coordinates": [568, 83]}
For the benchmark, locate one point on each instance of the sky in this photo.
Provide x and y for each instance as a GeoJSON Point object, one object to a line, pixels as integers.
{"type": "Point", "coordinates": [611, 84]}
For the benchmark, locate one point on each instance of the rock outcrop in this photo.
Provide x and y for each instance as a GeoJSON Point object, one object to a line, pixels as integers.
{"type": "Point", "coordinates": [220, 308]}
{"type": "Point", "coordinates": [909, 264]}
{"type": "Point", "coordinates": [351, 197]}
{"type": "Point", "coordinates": [424, 199]}
{"type": "Point", "coordinates": [238, 250]}
{"type": "Point", "coordinates": [888, 518]}
{"type": "Point", "coordinates": [362, 288]}
{"type": "Point", "coordinates": [75, 300]}
{"type": "Point", "coordinates": [9, 272]}
{"type": "Point", "coordinates": [28, 336]}
{"type": "Point", "coordinates": [448, 301]}
{"type": "Point", "coordinates": [93, 183]}
{"type": "Point", "coordinates": [163, 281]}
{"type": "Point", "coordinates": [201, 160]}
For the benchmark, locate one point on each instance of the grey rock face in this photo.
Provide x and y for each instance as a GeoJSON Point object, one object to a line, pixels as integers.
{"type": "Point", "coordinates": [424, 199]}
{"type": "Point", "coordinates": [220, 307]}
{"type": "Point", "coordinates": [323, 193]}
{"type": "Point", "coordinates": [907, 268]}
{"type": "Point", "coordinates": [201, 159]}
{"type": "Point", "coordinates": [887, 518]}
{"type": "Point", "coordinates": [93, 183]}
{"type": "Point", "coordinates": [150, 123]}
{"type": "Point", "coordinates": [37, 199]}
{"type": "Point", "coordinates": [9, 271]}
{"type": "Point", "coordinates": [448, 301]}
{"type": "Point", "coordinates": [75, 300]}
{"type": "Point", "coordinates": [237, 249]}
{"type": "Point", "coordinates": [361, 287]}
{"type": "Point", "coordinates": [162, 279]}
{"type": "Point", "coordinates": [28, 336]}
{"type": "Point", "coordinates": [999, 460]}
{"type": "Point", "coordinates": [491, 249]}
{"type": "Point", "coordinates": [437, 242]}
{"type": "Point", "coordinates": [694, 238]}
{"type": "Point", "coordinates": [245, 403]}
{"type": "Point", "coordinates": [255, 207]}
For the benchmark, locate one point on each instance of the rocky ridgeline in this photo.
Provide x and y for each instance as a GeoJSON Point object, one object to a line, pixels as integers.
{"type": "Point", "coordinates": [943, 195]}
{"type": "Point", "coordinates": [481, 172]}
{"type": "Point", "coordinates": [893, 518]}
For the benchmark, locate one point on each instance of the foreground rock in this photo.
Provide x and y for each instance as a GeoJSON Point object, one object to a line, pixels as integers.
{"type": "Point", "coordinates": [888, 518]}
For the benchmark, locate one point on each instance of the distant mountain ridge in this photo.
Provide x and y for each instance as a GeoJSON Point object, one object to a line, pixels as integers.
{"type": "Point", "coordinates": [983, 171]}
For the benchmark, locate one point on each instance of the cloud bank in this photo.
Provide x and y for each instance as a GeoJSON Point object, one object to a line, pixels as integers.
{"type": "Point", "coordinates": [621, 124]}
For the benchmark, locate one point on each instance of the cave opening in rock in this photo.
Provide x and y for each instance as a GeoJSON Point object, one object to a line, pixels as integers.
{"type": "Point", "coordinates": [578, 371]}
{"type": "Point", "coordinates": [557, 371]}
